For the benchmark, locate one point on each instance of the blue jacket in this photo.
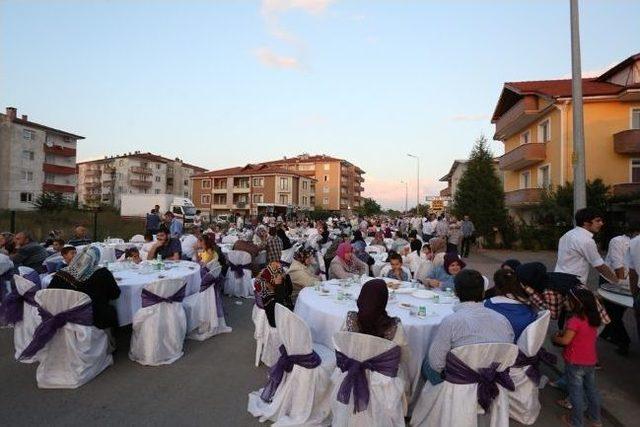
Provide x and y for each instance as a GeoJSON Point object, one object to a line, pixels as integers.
{"type": "Point", "coordinates": [518, 314]}
{"type": "Point", "coordinates": [445, 279]}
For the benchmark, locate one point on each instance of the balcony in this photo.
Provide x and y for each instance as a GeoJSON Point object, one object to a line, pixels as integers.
{"type": "Point", "coordinates": [521, 114]}
{"type": "Point", "coordinates": [90, 185]}
{"type": "Point", "coordinates": [241, 188]}
{"type": "Point", "coordinates": [626, 189]}
{"type": "Point", "coordinates": [60, 150]}
{"type": "Point", "coordinates": [92, 198]}
{"type": "Point", "coordinates": [92, 172]}
{"type": "Point", "coordinates": [109, 169]}
{"type": "Point", "coordinates": [523, 197]}
{"type": "Point", "coordinates": [57, 188]}
{"type": "Point", "coordinates": [140, 170]}
{"type": "Point", "coordinates": [140, 183]}
{"type": "Point", "coordinates": [523, 156]}
{"type": "Point", "coordinates": [627, 142]}
{"type": "Point", "coordinates": [59, 170]}
{"type": "Point", "coordinates": [445, 192]}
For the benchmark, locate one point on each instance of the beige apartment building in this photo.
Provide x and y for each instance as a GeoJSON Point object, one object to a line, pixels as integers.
{"type": "Point", "coordinates": [253, 190]}
{"type": "Point", "coordinates": [34, 158]}
{"type": "Point", "coordinates": [102, 182]}
{"type": "Point", "coordinates": [339, 182]}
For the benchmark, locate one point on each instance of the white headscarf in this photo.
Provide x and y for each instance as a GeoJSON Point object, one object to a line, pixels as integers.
{"type": "Point", "coordinates": [84, 264]}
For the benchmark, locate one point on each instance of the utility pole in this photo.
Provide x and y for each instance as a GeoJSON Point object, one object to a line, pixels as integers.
{"type": "Point", "coordinates": [578, 160]}
{"type": "Point", "coordinates": [417, 183]}
{"type": "Point", "coordinates": [406, 195]}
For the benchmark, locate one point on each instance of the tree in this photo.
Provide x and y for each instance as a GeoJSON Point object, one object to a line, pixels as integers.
{"type": "Point", "coordinates": [368, 207]}
{"type": "Point", "coordinates": [51, 201]}
{"type": "Point", "coordinates": [480, 194]}
{"type": "Point", "coordinates": [556, 206]}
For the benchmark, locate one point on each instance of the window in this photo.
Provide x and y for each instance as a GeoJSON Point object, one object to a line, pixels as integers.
{"type": "Point", "coordinates": [544, 131]}
{"type": "Point", "coordinates": [186, 182]}
{"type": "Point", "coordinates": [170, 170]}
{"type": "Point", "coordinates": [305, 185]}
{"type": "Point", "coordinates": [525, 137]}
{"type": "Point", "coordinates": [326, 178]}
{"type": "Point", "coordinates": [635, 118]}
{"type": "Point", "coordinates": [157, 179]}
{"type": "Point", "coordinates": [205, 199]}
{"type": "Point", "coordinates": [635, 170]}
{"type": "Point", "coordinates": [27, 155]}
{"type": "Point", "coordinates": [206, 183]}
{"type": "Point", "coordinates": [27, 176]}
{"type": "Point", "coordinates": [284, 183]}
{"type": "Point", "coordinates": [28, 134]}
{"type": "Point", "coordinates": [49, 178]}
{"type": "Point", "coordinates": [177, 210]}
{"type": "Point", "coordinates": [257, 198]}
{"type": "Point", "coordinates": [325, 201]}
{"type": "Point", "coordinates": [325, 190]}
{"type": "Point", "coordinates": [304, 200]}
{"type": "Point", "coordinates": [544, 177]}
{"type": "Point", "coordinates": [525, 179]}
{"type": "Point", "coordinates": [157, 165]}
{"type": "Point", "coordinates": [157, 191]}
{"type": "Point", "coordinates": [284, 199]}
{"type": "Point", "coordinates": [326, 166]}
{"type": "Point", "coordinates": [258, 182]}
{"type": "Point", "coordinates": [26, 197]}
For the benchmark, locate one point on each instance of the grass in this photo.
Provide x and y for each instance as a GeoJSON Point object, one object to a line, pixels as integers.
{"type": "Point", "coordinates": [109, 223]}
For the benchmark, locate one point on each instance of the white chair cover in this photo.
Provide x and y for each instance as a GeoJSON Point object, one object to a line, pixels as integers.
{"type": "Point", "coordinates": [77, 353]}
{"type": "Point", "coordinates": [267, 338]}
{"type": "Point", "coordinates": [388, 243]}
{"type": "Point", "coordinates": [302, 398]}
{"type": "Point", "coordinates": [524, 405]}
{"type": "Point", "coordinates": [287, 255]}
{"type": "Point", "coordinates": [229, 240]}
{"type": "Point", "coordinates": [137, 238]}
{"type": "Point", "coordinates": [376, 269]}
{"type": "Point", "coordinates": [376, 249]}
{"type": "Point", "coordinates": [23, 330]}
{"type": "Point", "coordinates": [424, 268]}
{"type": "Point", "coordinates": [387, 404]}
{"type": "Point", "coordinates": [201, 309]}
{"type": "Point", "coordinates": [159, 330]}
{"type": "Point", "coordinates": [387, 267]}
{"type": "Point", "coordinates": [188, 243]}
{"type": "Point", "coordinates": [239, 287]}
{"type": "Point", "coordinates": [448, 404]}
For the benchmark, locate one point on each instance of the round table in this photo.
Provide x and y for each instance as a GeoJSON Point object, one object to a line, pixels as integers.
{"type": "Point", "coordinates": [325, 316]}
{"type": "Point", "coordinates": [616, 298]}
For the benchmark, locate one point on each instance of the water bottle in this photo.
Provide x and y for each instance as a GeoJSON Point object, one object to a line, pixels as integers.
{"type": "Point", "coordinates": [158, 262]}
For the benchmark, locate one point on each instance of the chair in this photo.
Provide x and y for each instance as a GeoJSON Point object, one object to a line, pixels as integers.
{"type": "Point", "coordinates": [298, 391]}
{"type": "Point", "coordinates": [388, 242]}
{"type": "Point", "coordinates": [160, 326]}
{"type": "Point", "coordinates": [187, 244]}
{"type": "Point", "coordinates": [29, 274]}
{"type": "Point", "coordinates": [76, 352]}
{"type": "Point", "coordinates": [457, 404]}
{"type": "Point", "coordinates": [385, 270]}
{"type": "Point", "coordinates": [238, 281]}
{"type": "Point", "coordinates": [287, 256]}
{"type": "Point", "coordinates": [229, 240]}
{"type": "Point", "coordinates": [204, 311]}
{"type": "Point", "coordinates": [524, 405]}
{"type": "Point", "coordinates": [137, 238]}
{"type": "Point", "coordinates": [23, 310]}
{"type": "Point", "coordinates": [267, 338]}
{"type": "Point", "coordinates": [376, 249]}
{"type": "Point", "coordinates": [386, 404]}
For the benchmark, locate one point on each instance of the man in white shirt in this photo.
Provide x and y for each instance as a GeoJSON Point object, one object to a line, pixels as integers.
{"type": "Point", "coordinates": [429, 227]}
{"type": "Point", "coordinates": [577, 250]}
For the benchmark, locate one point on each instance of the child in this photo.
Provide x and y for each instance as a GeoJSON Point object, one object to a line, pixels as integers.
{"type": "Point", "coordinates": [397, 272]}
{"type": "Point", "coordinates": [579, 341]}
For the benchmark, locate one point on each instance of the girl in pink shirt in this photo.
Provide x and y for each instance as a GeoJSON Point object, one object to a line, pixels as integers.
{"type": "Point", "coordinates": [579, 341]}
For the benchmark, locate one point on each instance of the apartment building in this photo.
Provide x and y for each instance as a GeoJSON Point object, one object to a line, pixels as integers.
{"type": "Point", "coordinates": [339, 183]}
{"type": "Point", "coordinates": [534, 121]}
{"type": "Point", "coordinates": [34, 158]}
{"type": "Point", "coordinates": [102, 182]}
{"type": "Point", "coordinates": [452, 178]}
{"type": "Point", "coordinates": [253, 190]}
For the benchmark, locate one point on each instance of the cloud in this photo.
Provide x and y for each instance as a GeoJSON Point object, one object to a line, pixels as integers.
{"type": "Point", "coordinates": [470, 117]}
{"type": "Point", "coordinates": [271, 59]}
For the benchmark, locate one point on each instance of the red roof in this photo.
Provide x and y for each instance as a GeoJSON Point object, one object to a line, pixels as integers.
{"type": "Point", "coordinates": [562, 88]}
{"type": "Point", "coordinates": [260, 169]}
{"type": "Point", "coordinates": [144, 156]}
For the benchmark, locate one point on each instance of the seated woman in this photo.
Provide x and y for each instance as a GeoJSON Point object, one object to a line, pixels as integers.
{"type": "Point", "coordinates": [399, 242]}
{"type": "Point", "coordinates": [301, 272]}
{"type": "Point", "coordinates": [133, 255]}
{"type": "Point", "coordinates": [83, 275]}
{"type": "Point", "coordinates": [378, 239]}
{"type": "Point", "coordinates": [442, 277]}
{"type": "Point", "coordinates": [510, 301]}
{"type": "Point", "coordinates": [397, 272]}
{"type": "Point", "coordinates": [345, 265]}
{"type": "Point", "coordinates": [282, 234]}
{"type": "Point", "coordinates": [206, 250]}
{"type": "Point", "coordinates": [272, 286]}
{"type": "Point", "coordinates": [509, 265]}
{"type": "Point", "coordinates": [438, 246]}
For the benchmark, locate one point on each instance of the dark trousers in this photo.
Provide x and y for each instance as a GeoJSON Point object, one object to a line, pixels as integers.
{"type": "Point", "coordinates": [615, 331]}
{"type": "Point", "coordinates": [466, 246]}
{"type": "Point", "coordinates": [452, 248]}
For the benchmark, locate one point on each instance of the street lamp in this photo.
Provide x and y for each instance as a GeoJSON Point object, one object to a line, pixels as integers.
{"type": "Point", "coordinates": [417, 183]}
{"type": "Point", "coordinates": [406, 194]}
{"type": "Point", "coordinates": [579, 173]}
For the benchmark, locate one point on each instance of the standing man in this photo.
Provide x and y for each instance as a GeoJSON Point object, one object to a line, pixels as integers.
{"type": "Point", "coordinates": [174, 225]}
{"type": "Point", "coordinates": [442, 228]}
{"type": "Point", "coordinates": [455, 235]}
{"type": "Point", "coordinates": [152, 222]}
{"type": "Point", "coordinates": [468, 230]}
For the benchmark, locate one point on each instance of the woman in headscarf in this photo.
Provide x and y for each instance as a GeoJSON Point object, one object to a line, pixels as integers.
{"type": "Point", "coordinates": [438, 247]}
{"type": "Point", "coordinates": [358, 244]}
{"type": "Point", "coordinates": [272, 286]}
{"type": "Point", "coordinates": [378, 239]}
{"type": "Point", "coordinates": [345, 265]}
{"type": "Point", "coordinates": [84, 275]}
{"type": "Point", "coordinates": [301, 272]}
{"type": "Point", "coordinates": [511, 264]}
{"type": "Point", "coordinates": [282, 234]}
{"type": "Point", "coordinates": [442, 277]}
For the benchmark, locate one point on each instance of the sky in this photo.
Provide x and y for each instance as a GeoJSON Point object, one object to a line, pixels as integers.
{"type": "Point", "coordinates": [225, 83]}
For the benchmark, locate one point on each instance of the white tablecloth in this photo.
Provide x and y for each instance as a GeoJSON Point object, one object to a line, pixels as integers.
{"type": "Point", "coordinates": [325, 316]}
{"type": "Point", "coordinates": [619, 299]}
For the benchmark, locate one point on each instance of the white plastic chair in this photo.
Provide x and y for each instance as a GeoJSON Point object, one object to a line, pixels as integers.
{"type": "Point", "coordinates": [159, 330]}
{"type": "Point", "coordinates": [302, 398]}
{"type": "Point", "coordinates": [23, 330]}
{"type": "Point", "coordinates": [188, 243]}
{"type": "Point", "coordinates": [203, 318]}
{"type": "Point", "coordinates": [448, 404]}
{"type": "Point", "coordinates": [266, 336]}
{"type": "Point", "coordinates": [77, 353]}
{"type": "Point", "coordinates": [378, 249]}
{"type": "Point", "coordinates": [242, 286]}
{"type": "Point", "coordinates": [137, 238]}
{"type": "Point", "coordinates": [387, 404]}
{"type": "Point", "coordinates": [384, 270]}
{"type": "Point", "coordinates": [524, 404]}
{"type": "Point", "coordinates": [229, 240]}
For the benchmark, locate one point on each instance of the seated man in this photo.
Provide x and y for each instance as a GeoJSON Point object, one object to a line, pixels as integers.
{"type": "Point", "coordinates": [29, 253]}
{"type": "Point", "coordinates": [133, 255]}
{"type": "Point", "coordinates": [470, 323]}
{"type": "Point", "coordinates": [169, 248]}
{"type": "Point", "coordinates": [80, 236]}
{"type": "Point", "coordinates": [56, 246]}
{"type": "Point", "coordinates": [67, 253]}
{"type": "Point", "coordinates": [397, 272]}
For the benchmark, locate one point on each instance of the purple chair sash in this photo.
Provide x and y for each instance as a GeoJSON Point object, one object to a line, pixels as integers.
{"type": "Point", "coordinates": [82, 315]}
{"type": "Point", "coordinates": [285, 263]}
{"type": "Point", "coordinates": [238, 270]}
{"type": "Point", "coordinates": [149, 298]}
{"type": "Point", "coordinates": [533, 363]}
{"type": "Point", "coordinates": [119, 253]}
{"type": "Point", "coordinates": [52, 266]}
{"type": "Point", "coordinates": [13, 304]}
{"type": "Point", "coordinates": [355, 381]}
{"type": "Point", "coordinates": [7, 276]}
{"type": "Point", "coordinates": [488, 379]}
{"type": "Point", "coordinates": [285, 364]}
{"type": "Point", "coordinates": [218, 283]}
{"type": "Point", "coordinates": [258, 299]}
{"type": "Point", "coordinates": [33, 276]}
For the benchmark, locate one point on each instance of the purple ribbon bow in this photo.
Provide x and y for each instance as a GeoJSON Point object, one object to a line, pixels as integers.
{"type": "Point", "coordinates": [457, 372]}
{"type": "Point", "coordinates": [33, 276]}
{"type": "Point", "coordinates": [238, 270]}
{"type": "Point", "coordinates": [118, 253]}
{"type": "Point", "coordinates": [285, 263]}
{"type": "Point", "coordinates": [82, 315]}
{"type": "Point", "coordinates": [149, 298]}
{"type": "Point", "coordinates": [13, 304]}
{"type": "Point", "coordinates": [386, 363]}
{"type": "Point", "coordinates": [217, 282]}
{"type": "Point", "coordinates": [285, 364]}
{"type": "Point", "coordinates": [4, 278]}
{"type": "Point", "coordinates": [53, 266]}
{"type": "Point", "coordinates": [533, 363]}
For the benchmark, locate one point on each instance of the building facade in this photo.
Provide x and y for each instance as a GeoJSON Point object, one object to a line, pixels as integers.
{"type": "Point", "coordinates": [339, 183]}
{"type": "Point", "coordinates": [252, 190]}
{"type": "Point", "coordinates": [34, 158]}
{"type": "Point", "coordinates": [455, 174]}
{"type": "Point", "coordinates": [102, 182]}
{"type": "Point", "coordinates": [534, 121]}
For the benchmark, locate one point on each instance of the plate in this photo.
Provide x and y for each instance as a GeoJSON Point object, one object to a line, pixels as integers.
{"type": "Point", "coordinates": [405, 305]}
{"type": "Point", "coordinates": [424, 294]}
{"type": "Point", "coordinates": [404, 290]}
